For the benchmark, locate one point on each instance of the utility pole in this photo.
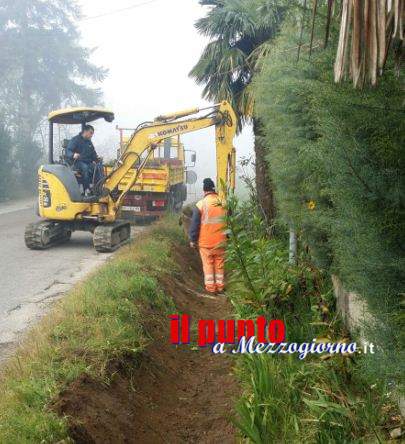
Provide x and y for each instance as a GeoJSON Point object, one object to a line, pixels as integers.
{"type": "Point", "coordinates": [293, 246]}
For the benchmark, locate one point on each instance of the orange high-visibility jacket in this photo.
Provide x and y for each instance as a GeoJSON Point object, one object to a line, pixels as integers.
{"type": "Point", "coordinates": [212, 228]}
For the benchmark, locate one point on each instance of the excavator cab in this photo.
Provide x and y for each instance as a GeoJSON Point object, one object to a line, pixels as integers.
{"type": "Point", "coordinates": [64, 169]}
{"type": "Point", "coordinates": [74, 116]}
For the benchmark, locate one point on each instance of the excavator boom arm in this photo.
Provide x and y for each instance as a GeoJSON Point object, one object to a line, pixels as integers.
{"type": "Point", "coordinates": [145, 140]}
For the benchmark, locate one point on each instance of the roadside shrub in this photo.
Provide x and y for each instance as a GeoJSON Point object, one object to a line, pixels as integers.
{"type": "Point", "coordinates": [337, 161]}
{"type": "Point", "coordinates": [322, 398]}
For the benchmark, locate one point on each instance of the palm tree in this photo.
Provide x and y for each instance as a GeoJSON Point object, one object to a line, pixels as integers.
{"type": "Point", "coordinates": [239, 31]}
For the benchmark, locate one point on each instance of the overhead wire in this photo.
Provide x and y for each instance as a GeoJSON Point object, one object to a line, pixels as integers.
{"type": "Point", "coordinates": [117, 11]}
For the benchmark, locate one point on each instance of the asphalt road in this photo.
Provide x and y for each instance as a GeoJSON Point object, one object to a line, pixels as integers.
{"type": "Point", "coordinates": [31, 280]}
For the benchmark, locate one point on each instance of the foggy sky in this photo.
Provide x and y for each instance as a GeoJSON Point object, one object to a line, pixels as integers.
{"type": "Point", "coordinates": [149, 52]}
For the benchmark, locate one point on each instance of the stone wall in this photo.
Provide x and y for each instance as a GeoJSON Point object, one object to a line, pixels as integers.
{"type": "Point", "coordinates": [354, 311]}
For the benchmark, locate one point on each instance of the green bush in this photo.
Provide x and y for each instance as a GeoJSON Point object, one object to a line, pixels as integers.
{"type": "Point", "coordinates": [337, 161]}
{"type": "Point", "coordinates": [320, 399]}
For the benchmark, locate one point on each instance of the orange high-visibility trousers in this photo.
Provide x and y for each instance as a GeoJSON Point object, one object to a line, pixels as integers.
{"type": "Point", "coordinates": [213, 260]}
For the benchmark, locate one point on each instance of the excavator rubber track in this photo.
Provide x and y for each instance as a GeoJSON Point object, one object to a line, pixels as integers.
{"type": "Point", "coordinates": [45, 234]}
{"type": "Point", "coordinates": [108, 238]}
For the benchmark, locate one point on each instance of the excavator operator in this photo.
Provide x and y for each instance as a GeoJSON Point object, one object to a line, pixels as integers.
{"type": "Point", "coordinates": [82, 155]}
{"type": "Point", "coordinates": [207, 231]}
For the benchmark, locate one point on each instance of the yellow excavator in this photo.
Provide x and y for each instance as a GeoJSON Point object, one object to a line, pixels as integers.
{"type": "Point", "coordinates": [65, 209]}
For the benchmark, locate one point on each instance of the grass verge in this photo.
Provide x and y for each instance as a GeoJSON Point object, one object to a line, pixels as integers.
{"type": "Point", "coordinates": [98, 322]}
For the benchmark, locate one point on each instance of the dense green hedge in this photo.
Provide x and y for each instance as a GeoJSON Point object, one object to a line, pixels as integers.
{"type": "Point", "coordinates": [337, 159]}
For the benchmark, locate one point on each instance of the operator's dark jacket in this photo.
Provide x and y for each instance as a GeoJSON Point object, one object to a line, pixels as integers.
{"type": "Point", "coordinates": [194, 230]}
{"type": "Point", "coordinates": [82, 146]}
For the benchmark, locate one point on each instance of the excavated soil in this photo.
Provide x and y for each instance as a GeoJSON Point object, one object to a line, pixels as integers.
{"type": "Point", "coordinates": [174, 394]}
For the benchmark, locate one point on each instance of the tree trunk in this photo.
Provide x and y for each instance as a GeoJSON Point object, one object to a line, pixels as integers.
{"type": "Point", "coordinates": [264, 185]}
{"type": "Point", "coordinates": [28, 152]}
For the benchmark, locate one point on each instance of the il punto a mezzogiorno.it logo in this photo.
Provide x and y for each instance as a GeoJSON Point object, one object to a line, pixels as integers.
{"type": "Point", "coordinates": [257, 336]}
{"type": "Point", "coordinates": [211, 331]}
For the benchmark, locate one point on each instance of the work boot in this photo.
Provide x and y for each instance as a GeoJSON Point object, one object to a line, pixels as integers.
{"type": "Point", "coordinates": [211, 288]}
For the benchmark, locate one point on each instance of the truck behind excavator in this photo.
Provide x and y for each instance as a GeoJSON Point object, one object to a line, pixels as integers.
{"type": "Point", "coordinates": [64, 209]}
{"type": "Point", "coordinates": [161, 186]}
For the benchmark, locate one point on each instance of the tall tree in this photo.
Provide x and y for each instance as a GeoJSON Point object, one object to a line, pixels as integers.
{"type": "Point", "coordinates": [42, 66]}
{"type": "Point", "coordinates": [5, 164]}
{"type": "Point", "coordinates": [239, 32]}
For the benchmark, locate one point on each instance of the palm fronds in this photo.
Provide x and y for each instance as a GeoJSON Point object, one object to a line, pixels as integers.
{"type": "Point", "coordinates": [368, 28]}
{"type": "Point", "coordinates": [238, 29]}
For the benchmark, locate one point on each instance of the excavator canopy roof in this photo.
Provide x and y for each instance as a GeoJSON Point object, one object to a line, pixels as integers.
{"type": "Point", "coordinates": [73, 116]}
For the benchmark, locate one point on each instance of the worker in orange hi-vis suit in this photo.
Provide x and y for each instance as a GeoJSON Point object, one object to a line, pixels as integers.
{"type": "Point", "coordinates": [207, 232]}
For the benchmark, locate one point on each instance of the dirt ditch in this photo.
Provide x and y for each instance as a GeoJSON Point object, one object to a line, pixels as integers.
{"type": "Point", "coordinates": [175, 395]}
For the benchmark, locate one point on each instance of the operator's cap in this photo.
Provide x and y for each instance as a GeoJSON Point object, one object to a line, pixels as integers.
{"type": "Point", "coordinates": [208, 184]}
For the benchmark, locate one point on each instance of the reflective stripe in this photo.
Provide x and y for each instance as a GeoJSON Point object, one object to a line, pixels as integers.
{"type": "Point", "coordinates": [209, 279]}
{"type": "Point", "coordinates": [214, 220]}
{"type": "Point", "coordinates": [207, 219]}
{"type": "Point", "coordinates": [204, 212]}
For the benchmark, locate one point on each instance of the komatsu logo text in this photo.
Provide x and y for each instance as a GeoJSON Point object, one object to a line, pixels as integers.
{"type": "Point", "coordinates": [175, 130]}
